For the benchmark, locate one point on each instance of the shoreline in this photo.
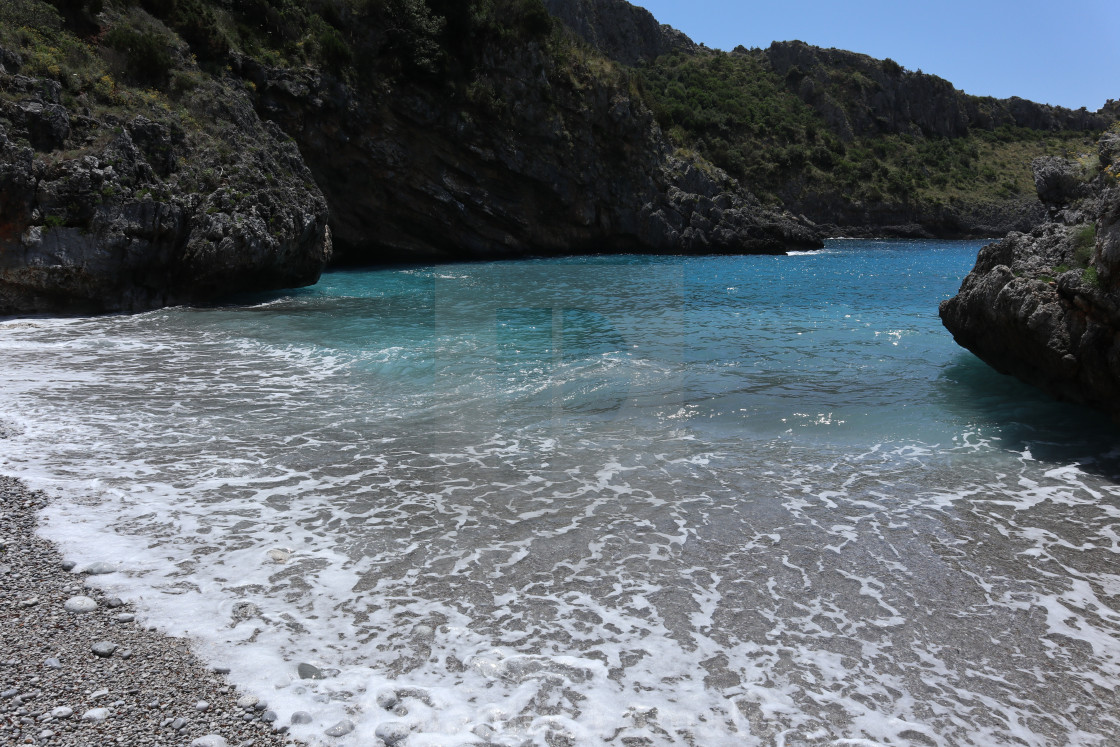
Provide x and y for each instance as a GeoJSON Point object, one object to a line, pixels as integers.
{"type": "Point", "coordinates": [54, 690]}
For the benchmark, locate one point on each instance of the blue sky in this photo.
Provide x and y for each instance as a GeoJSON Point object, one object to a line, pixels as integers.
{"type": "Point", "coordinates": [1064, 53]}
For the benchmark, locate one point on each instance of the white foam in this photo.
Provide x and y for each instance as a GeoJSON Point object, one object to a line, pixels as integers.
{"type": "Point", "coordinates": [607, 574]}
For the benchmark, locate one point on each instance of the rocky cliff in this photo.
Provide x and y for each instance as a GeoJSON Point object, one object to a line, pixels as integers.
{"type": "Point", "coordinates": [110, 205]}
{"type": "Point", "coordinates": [621, 31]}
{"type": "Point", "coordinates": [858, 95]}
{"type": "Point", "coordinates": [1045, 306]}
{"type": "Point", "coordinates": [529, 145]}
{"type": "Point", "coordinates": [153, 155]}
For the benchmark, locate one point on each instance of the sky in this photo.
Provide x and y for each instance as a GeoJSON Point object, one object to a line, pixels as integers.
{"type": "Point", "coordinates": [1063, 53]}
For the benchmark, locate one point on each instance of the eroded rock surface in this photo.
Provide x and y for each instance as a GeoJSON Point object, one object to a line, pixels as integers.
{"type": "Point", "coordinates": [1045, 306]}
{"type": "Point", "coordinates": [114, 211]}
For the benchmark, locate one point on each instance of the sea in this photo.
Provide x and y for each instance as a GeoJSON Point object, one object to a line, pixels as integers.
{"type": "Point", "coordinates": [599, 500]}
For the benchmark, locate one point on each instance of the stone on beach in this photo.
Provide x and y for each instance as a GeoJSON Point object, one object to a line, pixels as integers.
{"type": "Point", "coordinates": [210, 740]}
{"type": "Point", "coordinates": [104, 649]}
{"type": "Point", "coordinates": [80, 604]}
{"type": "Point", "coordinates": [96, 715]}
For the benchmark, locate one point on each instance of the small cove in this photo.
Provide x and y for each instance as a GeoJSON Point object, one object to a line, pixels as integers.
{"type": "Point", "coordinates": [707, 500]}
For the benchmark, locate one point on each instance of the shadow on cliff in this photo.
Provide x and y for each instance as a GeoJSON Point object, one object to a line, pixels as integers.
{"type": "Point", "coordinates": [1026, 418]}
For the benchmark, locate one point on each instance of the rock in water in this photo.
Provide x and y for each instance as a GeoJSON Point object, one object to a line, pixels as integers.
{"type": "Point", "coordinates": [1045, 306]}
{"type": "Point", "coordinates": [392, 732]}
{"type": "Point", "coordinates": [310, 672]}
{"type": "Point", "coordinates": [100, 569]}
{"type": "Point", "coordinates": [278, 555]}
{"type": "Point", "coordinates": [341, 729]}
{"type": "Point", "coordinates": [301, 717]}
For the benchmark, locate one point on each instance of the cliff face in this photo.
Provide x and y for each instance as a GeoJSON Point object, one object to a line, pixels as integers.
{"type": "Point", "coordinates": [621, 31]}
{"type": "Point", "coordinates": [542, 148]}
{"type": "Point", "coordinates": [858, 95]}
{"type": "Point", "coordinates": [109, 211]}
{"type": "Point", "coordinates": [1045, 306]}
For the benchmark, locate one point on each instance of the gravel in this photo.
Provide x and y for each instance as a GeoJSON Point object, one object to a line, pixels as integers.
{"type": "Point", "coordinates": [55, 690]}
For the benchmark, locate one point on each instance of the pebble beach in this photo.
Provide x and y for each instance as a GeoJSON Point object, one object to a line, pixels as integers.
{"type": "Point", "coordinates": [78, 667]}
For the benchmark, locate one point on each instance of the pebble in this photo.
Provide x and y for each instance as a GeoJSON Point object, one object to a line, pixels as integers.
{"type": "Point", "coordinates": [202, 705]}
{"type": "Point", "coordinates": [68, 565]}
{"type": "Point", "coordinates": [100, 569]}
{"type": "Point", "coordinates": [104, 649]}
{"type": "Point", "coordinates": [47, 664]}
{"type": "Point", "coordinates": [302, 717]}
{"type": "Point", "coordinates": [247, 701]}
{"type": "Point", "coordinates": [392, 732]}
{"type": "Point", "coordinates": [341, 729]}
{"type": "Point", "coordinates": [9, 693]}
{"type": "Point", "coordinates": [279, 556]}
{"type": "Point", "coordinates": [388, 700]}
{"type": "Point", "coordinates": [114, 602]}
{"type": "Point", "coordinates": [210, 740]}
{"type": "Point", "coordinates": [310, 672]}
{"type": "Point", "coordinates": [126, 617]}
{"type": "Point", "coordinates": [80, 604]}
{"type": "Point", "coordinates": [269, 716]}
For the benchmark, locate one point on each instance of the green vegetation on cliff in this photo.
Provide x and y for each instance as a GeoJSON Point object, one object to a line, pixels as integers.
{"type": "Point", "coordinates": [737, 111]}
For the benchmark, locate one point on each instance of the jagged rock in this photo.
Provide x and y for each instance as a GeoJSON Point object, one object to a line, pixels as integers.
{"type": "Point", "coordinates": [1045, 306]}
{"type": "Point", "coordinates": [883, 97]}
{"type": "Point", "coordinates": [108, 215]}
{"type": "Point", "coordinates": [619, 30]}
{"type": "Point", "coordinates": [1057, 181]}
{"type": "Point", "coordinates": [555, 158]}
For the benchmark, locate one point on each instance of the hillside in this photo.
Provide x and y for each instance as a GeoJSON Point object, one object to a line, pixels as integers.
{"type": "Point", "coordinates": [169, 151]}
{"type": "Point", "coordinates": [860, 146]}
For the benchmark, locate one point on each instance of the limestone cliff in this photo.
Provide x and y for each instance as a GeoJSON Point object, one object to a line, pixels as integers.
{"type": "Point", "coordinates": [133, 207]}
{"type": "Point", "coordinates": [529, 145]}
{"type": "Point", "coordinates": [1045, 306]}
{"type": "Point", "coordinates": [621, 31]}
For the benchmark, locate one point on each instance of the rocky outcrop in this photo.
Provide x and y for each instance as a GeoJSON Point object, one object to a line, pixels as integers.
{"type": "Point", "coordinates": [121, 212]}
{"type": "Point", "coordinates": [621, 31]}
{"type": "Point", "coordinates": [1045, 306]}
{"type": "Point", "coordinates": [537, 156]}
{"type": "Point", "coordinates": [858, 95]}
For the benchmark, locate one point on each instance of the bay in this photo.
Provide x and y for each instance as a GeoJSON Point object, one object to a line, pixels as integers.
{"type": "Point", "coordinates": [675, 500]}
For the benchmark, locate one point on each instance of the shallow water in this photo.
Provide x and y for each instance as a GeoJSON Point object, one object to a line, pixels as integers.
{"type": "Point", "coordinates": [721, 500]}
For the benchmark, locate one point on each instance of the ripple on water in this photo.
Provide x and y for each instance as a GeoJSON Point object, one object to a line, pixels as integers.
{"type": "Point", "coordinates": [544, 535]}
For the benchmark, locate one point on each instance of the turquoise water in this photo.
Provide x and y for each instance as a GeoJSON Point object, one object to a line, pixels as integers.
{"type": "Point", "coordinates": [707, 500]}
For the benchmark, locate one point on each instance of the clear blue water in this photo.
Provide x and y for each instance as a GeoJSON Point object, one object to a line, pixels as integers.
{"type": "Point", "coordinates": [709, 500]}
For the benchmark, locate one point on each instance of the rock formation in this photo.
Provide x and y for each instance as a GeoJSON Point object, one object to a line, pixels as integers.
{"type": "Point", "coordinates": [860, 95]}
{"type": "Point", "coordinates": [120, 212]}
{"type": "Point", "coordinates": [541, 152]}
{"type": "Point", "coordinates": [621, 31]}
{"type": "Point", "coordinates": [1045, 306]}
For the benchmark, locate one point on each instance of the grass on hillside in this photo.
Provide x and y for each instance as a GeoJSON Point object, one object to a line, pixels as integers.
{"type": "Point", "coordinates": [735, 111]}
